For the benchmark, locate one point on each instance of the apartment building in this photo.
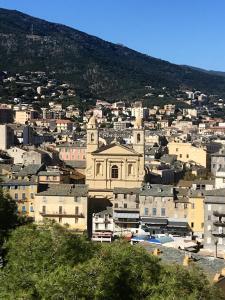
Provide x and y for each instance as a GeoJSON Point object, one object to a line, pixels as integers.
{"type": "Point", "coordinates": [64, 203]}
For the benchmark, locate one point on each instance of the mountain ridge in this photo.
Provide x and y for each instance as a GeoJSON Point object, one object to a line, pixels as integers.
{"type": "Point", "coordinates": [96, 67]}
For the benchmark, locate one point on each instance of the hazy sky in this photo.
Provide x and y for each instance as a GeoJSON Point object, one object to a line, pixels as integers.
{"type": "Point", "coordinates": [182, 31]}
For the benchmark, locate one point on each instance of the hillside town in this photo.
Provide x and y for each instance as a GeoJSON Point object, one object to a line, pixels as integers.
{"type": "Point", "coordinates": [116, 169]}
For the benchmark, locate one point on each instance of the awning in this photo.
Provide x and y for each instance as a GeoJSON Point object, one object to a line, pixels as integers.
{"type": "Point", "coordinates": [154, 221]}
{"type": "Point", "coordinates": [177, 224]}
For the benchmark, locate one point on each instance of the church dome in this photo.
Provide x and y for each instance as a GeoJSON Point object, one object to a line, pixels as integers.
{"type": "Point", "coordinates": [138, 123]}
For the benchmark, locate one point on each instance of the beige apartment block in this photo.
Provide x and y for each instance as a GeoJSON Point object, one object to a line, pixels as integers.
{"type": "Point", "coordinates": [22, 116]}
{"type": "Point", "coordinates": [186, 152]}
{"type": "Point", "coordinates": [64, 203]}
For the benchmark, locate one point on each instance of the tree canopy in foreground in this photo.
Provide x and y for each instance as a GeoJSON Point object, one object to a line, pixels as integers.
{"type": "Point", "coordinates": [50, 262]}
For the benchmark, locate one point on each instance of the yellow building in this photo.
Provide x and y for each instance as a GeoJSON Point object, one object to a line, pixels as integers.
{"type": "Point", "coordinates": [64, 203]}
{"type": "Point", "coordinates": [22, 116]}
{"type": "Point", "coordinates": [23, 192]}
{"type": "Point", "coordinates": [186, 152]}
{"type": "Point", "coordinates": [113, 165]}
{"type": "Point", "coordinates": [196, 212]}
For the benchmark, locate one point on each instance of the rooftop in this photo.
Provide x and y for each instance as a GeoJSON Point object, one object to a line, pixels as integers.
{"type": "Point", "coordinates": [65, 190]}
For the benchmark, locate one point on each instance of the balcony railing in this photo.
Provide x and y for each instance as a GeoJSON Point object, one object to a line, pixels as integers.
{"type": "Point", "coordinates": [102, 221]}
{"type": "Point", "coordinates": [61, 214]}
{"type": "Point", "coordinates": [217, 234]}
{"type": "Point", "coordinates": [219, 223]}
{"type": "Point", "coordinates": [219, 214]}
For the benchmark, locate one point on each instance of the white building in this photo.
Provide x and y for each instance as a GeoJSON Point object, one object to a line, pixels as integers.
{"type": "Point", "coordinates": [103, 226]}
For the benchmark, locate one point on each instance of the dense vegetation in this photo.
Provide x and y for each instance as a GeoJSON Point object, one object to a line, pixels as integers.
{"type": "Point", "coordinates": [8, 216]}
{"type": "Point", "coordinates": [96, 68]}
{"type": "Point", "coordinates": [52, 263]}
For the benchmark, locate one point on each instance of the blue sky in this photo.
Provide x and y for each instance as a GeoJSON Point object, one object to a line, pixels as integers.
{"type": "Point", "coordinates": [188, 32]}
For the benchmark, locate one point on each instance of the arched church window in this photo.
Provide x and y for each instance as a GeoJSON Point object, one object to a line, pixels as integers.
{"type": "Point", "coordinates": [98, 169]}
{"type": "Point", "coordinates": [92, 137]}
{"type": "Point", "coordinates": [114, 172]}
{"type": "Point", "coordinates": [138, 137]}
{"type": "Point", "coordinates": [130, 169]}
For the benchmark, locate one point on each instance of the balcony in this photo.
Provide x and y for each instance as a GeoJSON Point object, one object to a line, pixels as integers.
{"type": "Point", "coordinates": [219, 214]}
{"type": "Point", "coordinates": [102, 221]}
{"type": "Point", "coordinates": [219, 223]}
{"type": "Point", "coordinates": [217, 234]}
{"type": "Point", "coordinates": [61, 214]}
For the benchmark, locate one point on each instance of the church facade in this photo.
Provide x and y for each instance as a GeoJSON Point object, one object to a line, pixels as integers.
{"type": "Point", "coordinates": [114, 165]}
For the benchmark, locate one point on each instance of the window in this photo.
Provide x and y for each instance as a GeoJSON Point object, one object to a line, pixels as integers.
{"type": "Point", "coordinates": [130, 169]}
{"type": "Point", "coordinates": [60, 220]}
{"type": "Point", "coordinates": [32, 196]}
{"type": "Point", "coordinates": [192, 224]}
{"type": "Point", "coordinates": [177, 149]}
{"type": "Point", "coordinates": [180, 155]}
{"type": "Point", "coordinates": [44, 209]}
{"type": "Point", "coordinates": [23, 209]}
{"type": "Point", "coordinates": [106, 225]}
{"type": "Point", "coordinates": [124, 196]}
{"type": "Point", "coordinates": [154, 211]}
{"type": "Point", "coordinates": [31, 209]}
{"type": "Point", "coordinates": [198, 187]}
{"type": "Point", "coordinates": [185, 205]}
{"type": "Point", "coordinates": [16, 196]}
{"type": "Point", "coordinates": [146, 211]}
{"type": "Point", "coordinates": [116, 205]}
{"type": "Point", "coordinates": [214, 165]}
{"type": "Point", "coordinates": [187, 155]}
{"type": "Point", "coordinates": [116, 196]}
{"type": "Point", "coordinates": [125, 205]}
{"type": "Point", "coordinates": [99, 169]}
{"type": "Point", "coordinates": [137, 205]}
{"type": "Point", "coordinates": [192, 205]}
{"type": "Point", "coordinates": [76, 210]}
{"type": "Point", "coordinates": [114, 172]}
{"type": "Point", "coordinates": [60, 209]}
{"type": "Point", "coordinates": [163, 212]}
{"type": "Point", "coordinates": [92, 137]}
{"type": "Point", "coordinates": [76, 220]}
{"type": "Point", "coordinates": [23, 196]}
{"type": "Point", "coordinates": [54, 177]}
{"type": "Point", "coordinates": [202, 225]}
{"type": "Point", "coordinates": [138, 137]}
{"type": "Point", "coordinates": [96, 226]}
{"type": "Point", "coordinates": [209, 218]}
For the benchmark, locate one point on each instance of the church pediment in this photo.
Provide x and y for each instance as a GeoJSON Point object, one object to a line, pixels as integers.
{"type": "Point", "coordinates": [115, 149]}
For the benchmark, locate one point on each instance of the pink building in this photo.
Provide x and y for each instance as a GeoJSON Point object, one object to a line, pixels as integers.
{"type": "Point", "coordinates": [72, 152]}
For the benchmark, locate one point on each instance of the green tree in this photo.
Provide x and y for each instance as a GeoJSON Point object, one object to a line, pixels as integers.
{"type": "Point", "coordinates": [50, 262]}
{"type": "Point", "coordinates": [8, 215]}
{"type": "Point", "coordinates": [34, 252]}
